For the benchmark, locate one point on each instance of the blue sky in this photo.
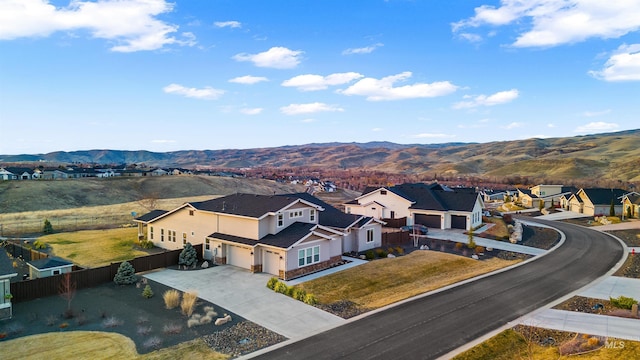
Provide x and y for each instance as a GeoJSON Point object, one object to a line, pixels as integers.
{"type": "Point", "coordinates": [191, 75]}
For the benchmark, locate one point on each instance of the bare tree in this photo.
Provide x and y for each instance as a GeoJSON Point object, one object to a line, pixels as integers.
{"type": "Point", "coordinates": [67, 291]}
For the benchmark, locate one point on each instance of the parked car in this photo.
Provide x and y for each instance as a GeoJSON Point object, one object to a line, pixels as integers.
{"type": "Point", "coordinates": [417, 228]}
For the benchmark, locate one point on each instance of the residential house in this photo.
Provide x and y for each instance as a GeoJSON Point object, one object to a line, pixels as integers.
{"type": "Point", "coordinates": [48, 267]}
{"type": "Point", "coordinates": [159, 172]}
{"type": "Point", "coordinates": [433, 205]}
{"type": "Point", "coordinates": [284, 235]}
{"type": "Point", "coordinates": [596, 201]}
{"type": "Point", "coordinates": [6, 174]}
{"type": "Point", "coordinates": [544, 195]}
{"type": "Point", "coordinates": [21, 173]}
{"type": "Point", "coordinates": [631, 205]}
{"type": "Point", "coordinates": [6, 273]}
{"type": "Point", "coordinates": [495, 194]}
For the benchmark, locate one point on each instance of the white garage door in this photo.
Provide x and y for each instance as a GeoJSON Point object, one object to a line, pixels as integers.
{"type": "Point", "coordinates": [271, 262]}
{"type": "Point", "coordinates": [239, 256]}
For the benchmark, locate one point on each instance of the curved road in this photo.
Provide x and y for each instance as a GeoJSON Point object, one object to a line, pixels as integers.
{"type": "Point", "coordinates": [432, 326]}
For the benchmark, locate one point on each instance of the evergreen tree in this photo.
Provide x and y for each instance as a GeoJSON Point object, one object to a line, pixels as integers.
{"type": "Point", "coordinates": [47, 228]}
{"type": "Point", "coordinates": [188, 256]}
{"type": "Point", "coordinates": [126, 274]}
{"type": "Point", "coordinates": [147, 292]}
{"type": "Point", "coordinates": [612, 209]}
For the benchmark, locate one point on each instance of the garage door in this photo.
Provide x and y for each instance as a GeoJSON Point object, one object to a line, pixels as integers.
{"type": "Point", "coordinates": [239, 256]}
{"type": "Point", "coordinates": [458, 222]}
{"type": "Point", "coordinates": [432, 221]}
{"type": "Point", "coordinates": [271, 262]}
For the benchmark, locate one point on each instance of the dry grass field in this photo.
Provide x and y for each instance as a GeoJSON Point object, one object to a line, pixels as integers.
{"type": "Point", "coordinates": [385, 281]}
{"type": "Point", "coordinates": [97, 346]}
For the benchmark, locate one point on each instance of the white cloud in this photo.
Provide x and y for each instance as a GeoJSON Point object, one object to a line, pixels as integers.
{"type": "Point", "coordinates": [276, 57]}
{"type": "Point", "coordinates": [596, 113]}
{"type": "Point", "coordinates": [596, 127]}
{"type": "Point", "coordinates": [382, 89]}
{"type": "Point", "coordinates": [206, 93]}
{"type": "Point", "coordinates": [501, 97]}
{"type": "Point", "coordinates": [556, 22]}
{"type": "Point", "coordinates": [513, 125]}
{"type": "Point", "coordinates": [251, 111]}
{"type": "Point", "coordinates": [159, 141]}
{"type": "Point", "coordinates": [473, 38]}
{"type": "Point", "coordinates": [432, 136]}
{"type": "Point", "coordinates": [295, 109]}
{"type": "Point", "coordinates": [551, 126]}
{"type": "Point", "coordinates": [623, 65]}
{"type": "Point", "coordinates": [362, 50]}
{"type": "Point", "coordinates": [309, 82]}
{"type": "Point", "coordinates": [248, 79]}
{"type": "Point", "coordinates": [132, 25]}
{"type": "Point", "coordinates": [230, 24]}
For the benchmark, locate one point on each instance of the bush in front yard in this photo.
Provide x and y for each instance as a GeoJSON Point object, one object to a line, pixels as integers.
{"type": "Point", "coordinates": [126, 274]}
{"type": "Point", "coordinates": [188, 302]}
{"type": "Point", "coordinates": [623, 302]}
{"type": "Point", "coordinates": [271, 284]}
{"type": "Point", "coordinates": [171, 298]}
{"type": "Point", "coordinates": [281, 288]}
{"type": "Point", "coordinates": [147, 292]}
{"type": "Point", "coordinates": [370, 255]}
{"type": "Point", "coordinates": [188, 256]}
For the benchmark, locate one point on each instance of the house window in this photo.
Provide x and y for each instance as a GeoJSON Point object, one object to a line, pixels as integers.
{"type": "Point", "coordinates": [349, 210]}
{"type": "Point", "coordinates": [383, 192]}
{"type": "Point", "coordinates": [191, 212]}
{"type": "Point", "coordinates": [295, 214]}
{"type": "Point", "coordinates": [184, 238]}
{"type": "Point", "coordinates": [280, 220]}
{"type": "Point", "coordinates": [309, 256]}
{"type": "Point", "coordinates": [161, 234]}
{"type": "Point", "coordinates": [207, 245]}
{"type": "Point", "coordinates": [393, 214]}
{"type": "Point", "coordinates": [173, 233]}
{"type": "Point", "coordinates": [150, 232]}
{"type": "Point", "coordinates": [56, 272]}
{"type": "Point", "coordinates": [312, 215]}
{"type": "Point", "coordinates": [369, 235]}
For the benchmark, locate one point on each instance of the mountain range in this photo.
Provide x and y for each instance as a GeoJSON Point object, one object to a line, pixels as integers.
{"type": "Point", "coordinates": [614, 156]}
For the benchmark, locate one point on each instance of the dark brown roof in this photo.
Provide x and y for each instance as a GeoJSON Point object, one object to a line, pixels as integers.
{"type": "Point", "coordinates": [152, 215]}
{"type": "Point", "coordinates": [249, 205]}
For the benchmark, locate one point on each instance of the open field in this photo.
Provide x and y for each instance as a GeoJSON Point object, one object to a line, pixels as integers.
{"type": "Point", "coordinates": [385, 281]}
{"type": "Point", "coordinates": [93, 248]}
{"type": "Point", "coordinates": [498, 230]}
{"type": "Point", "coordinates": [511, 344]}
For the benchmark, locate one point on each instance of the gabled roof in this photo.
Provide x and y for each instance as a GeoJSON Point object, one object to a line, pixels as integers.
{"type": "Point", "coordinates": [19, 170]}
{"type": "Point", "coordinates": [284, 239]}
{"type": "Point", "coordinates": [48, 263]}
{"type": "Point", "coordinates": [6, 267]}
{"type": "Point", "coordinates": [634, 199]}
{"type": "Point", "coordinates": [151, 215]}
{"type": "Point", "coordinates": [249, 205]}
{"type": "Point", "coordinates": [331, 216]}
{"type": "Point", "coordinates": [603, 196]}
{"type": "Point", "coordinates": [569, 189]}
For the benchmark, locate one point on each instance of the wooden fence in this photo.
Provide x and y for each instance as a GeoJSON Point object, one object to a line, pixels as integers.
{"type": "Point", "coordinates": [84, 278]}
{"type": "Point", "coordinates": [396, 238]}
{"type": "Point", "coordinates": [17, 250]}
{"type": "Point", "coordinates": [395, 223]}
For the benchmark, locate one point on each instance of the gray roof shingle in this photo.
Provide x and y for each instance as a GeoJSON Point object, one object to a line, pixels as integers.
{"type": "Point", "coordinates": [249, 205]}
{"type": "Point", "coordinates": [48, 263]}
{"type": "Point", "coordinates": [283, 239]}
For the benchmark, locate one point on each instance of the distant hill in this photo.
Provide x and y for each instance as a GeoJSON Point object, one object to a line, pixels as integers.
{"type": "Point", "coordinates": [606, 156]}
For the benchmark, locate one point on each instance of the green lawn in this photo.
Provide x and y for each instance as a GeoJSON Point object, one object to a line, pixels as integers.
{"type": "Point", "coordinates": [93, 248]}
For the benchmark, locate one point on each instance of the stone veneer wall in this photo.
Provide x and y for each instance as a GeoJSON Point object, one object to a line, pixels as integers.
{"type": "Point", "coordinates": [220, 260]}
{"type": "Point", "coordinates": [309, 269]}
{"type": "Point", "coordinates": [256, 268]}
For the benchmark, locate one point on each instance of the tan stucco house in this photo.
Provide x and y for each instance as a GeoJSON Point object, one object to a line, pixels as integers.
{"type": "Point", "coordinates": [285, 235]}
{"type": "Point", "coordinates": [433, 205]}
{"type": "Point", "coordinates": [547, 195]}
{"type": "Point", "coordinates": [596, 201]}
{"type": "Point", "coordinates": [631, 205]}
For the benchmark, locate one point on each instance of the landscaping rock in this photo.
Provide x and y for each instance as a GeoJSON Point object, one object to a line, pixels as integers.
{"type": "Point", "coordinates": [242, 338]}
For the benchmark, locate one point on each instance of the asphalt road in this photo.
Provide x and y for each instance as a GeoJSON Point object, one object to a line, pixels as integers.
{"type": "Point", "coordinates": [432, 326]}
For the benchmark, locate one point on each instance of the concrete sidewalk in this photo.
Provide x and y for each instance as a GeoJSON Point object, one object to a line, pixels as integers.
{"type": "Point", "coordinates": [613, 286]}
{"type": "Point", "coordinates": [246, 294]}
{"type": "Point", "coordinates": [353, 262]}
{"type": "Point", "coordinates": [592, 324]}
{"type": "Point", "coordinates": [562, 215]}
{"type": "Point", "coordinates": [459, 236]}
{"type": "Point", "coordinates": [630, 224]}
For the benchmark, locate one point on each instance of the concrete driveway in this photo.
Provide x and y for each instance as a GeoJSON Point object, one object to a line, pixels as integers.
{"type": "Point", "coordinates": [246, 294]}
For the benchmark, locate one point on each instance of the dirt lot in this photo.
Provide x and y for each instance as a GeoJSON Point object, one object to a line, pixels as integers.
{"type": "Point", "coordinates": [630, 237]}
{"type": "Point", "coordinates": [593, 306]}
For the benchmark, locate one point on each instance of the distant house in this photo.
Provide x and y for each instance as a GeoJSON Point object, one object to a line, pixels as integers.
{"type": "Point", "coordinates": [21, 173]}
{"type": "Point", "coordinates": [48, 267]}
{"type": "Point", "coordinates": [631, 205]}
{"type": "Point", "coordinates": [547, 195]}
{"type": "Point", "coordinates": [596, 201]}
{"type": "Point", "coordinates": [6, 174]}
{"type": "Point", "coordinates": [433, 205]}
{"type": "Point", "coordinates": [284, 235]}
{"type": "Point", "coordinates": [6, 273]}
{"type": "Point", "coordinates": [159, 172]}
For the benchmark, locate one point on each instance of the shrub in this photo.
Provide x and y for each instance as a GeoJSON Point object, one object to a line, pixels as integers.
{"type": "Point", "coordinates": [271, 284]}
{"type": "Point", "coordinates": [593, 342]}
{"type": "Point", "coordinates": [281, 288]}
{"type": "Point", "coordinates": [171, 298]}
{"type": "Point", "coordinates": [188, 256]}
{"type": "Point", "coordinates": [193, 322]}
{"type": "Point", "coordinates": [399, 250]}
{"type": "Point", "coordinates": [144, 330]}
{"type": "Point", "coordinates": [207, 319]}
{"type": "Point", "coordinates": [153, 342]}
{"type": "Point", "coordinates": [188, 303]}
{"type": "Point", "coordinates": [142, 320]}
{"type": "Point", "coordinates": [172, 329]}
{"type": "Point", "coordinates": [623, 302]}
{"type": "Point", "coordinates": [298, 294]}
{"type": "Point", "coordinates": [381, 253]}
{"type": "Point", "coordinates": [310, 299]}
{"type": "Point", "coordinates": [370, 255]}
{"type": "Point", "coordinates": [390, 250]}
{"type": "Point", "coordinates": [479, 249]}
{"type": "Point", "coordinates": [39, 245]}
{"type": "Point", "coordinates": [459, 246]}
{"type": "Point", "coordinates": [47, 228]}
{"type": "Point", "coordinates": [126, 274]}
{"type": "Point", "coordinates": [147, 292]}
{"type": "Point", "coordinates": [112, 322]}
{"type": "Point", "coordinates": [146, 244]}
